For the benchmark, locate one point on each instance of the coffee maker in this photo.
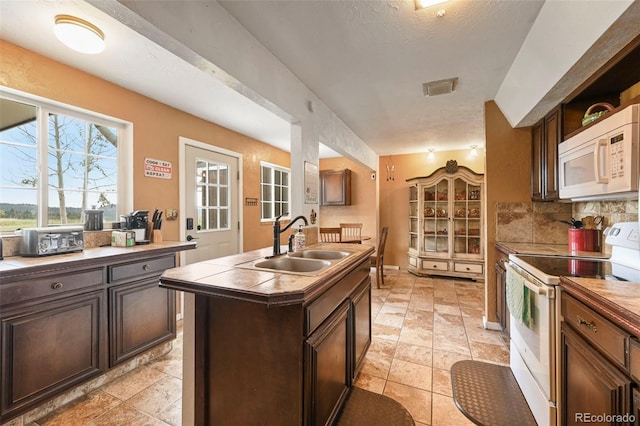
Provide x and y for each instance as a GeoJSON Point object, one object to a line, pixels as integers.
{"type": "Point", "coordinates": [138, 222]}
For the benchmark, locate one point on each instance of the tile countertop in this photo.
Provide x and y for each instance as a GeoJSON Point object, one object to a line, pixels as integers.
{"type": "Point", "coordinates": [618, 301]}
{"type": "Point", "coordinates": [226, 277]}
{"type": "Point", "coordinates": [545, 250]}
{"type": "Point", "coordinates": [19, 264]}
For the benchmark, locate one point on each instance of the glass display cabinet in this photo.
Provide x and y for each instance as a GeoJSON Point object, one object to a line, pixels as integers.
{"type": "Point", "coordinates": [446, 232]}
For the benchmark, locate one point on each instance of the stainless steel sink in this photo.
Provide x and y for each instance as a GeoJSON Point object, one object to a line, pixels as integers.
{"type": "Point", "coordinates": [291, 264]}
{"type": "Point", "coordinates": [320, 254]}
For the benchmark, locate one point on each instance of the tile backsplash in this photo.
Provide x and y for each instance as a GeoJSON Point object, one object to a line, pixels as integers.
{"type": "Point", "coordinates": [543, 223]}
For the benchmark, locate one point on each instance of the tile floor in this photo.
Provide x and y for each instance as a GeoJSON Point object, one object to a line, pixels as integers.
{"type": "Point", "coordinates": [421, 327]}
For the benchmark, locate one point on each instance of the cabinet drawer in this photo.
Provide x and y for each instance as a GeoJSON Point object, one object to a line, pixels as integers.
{"type": "Point", "coordinates": [413, 261]}
{"type": "Point", "coordinates": [324, 305]}
{"type": "Point", "coordinates": [596, 329]}
{"type": "Point", "coordinates": [142, 268]}
{"type": "Point", "coordinates": [634, 359]}
{"type": "Point", "coordinates": [50, 285]}
{"type": "Point", "coordinates": [435, 265]}
{"type": "Point", "coordinates": [473, 268]}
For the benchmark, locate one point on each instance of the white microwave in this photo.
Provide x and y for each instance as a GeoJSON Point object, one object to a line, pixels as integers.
{"type": "Point", "coordinates": [602, 162]}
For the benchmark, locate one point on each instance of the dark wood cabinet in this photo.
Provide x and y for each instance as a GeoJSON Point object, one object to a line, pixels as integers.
{"type": "Point", "coordinates": [142, 315]}
{"type": "Point", "coordinates": [590, 383]}
{"type": "Point", "coordinates": [335, 187]}
{"type": "Point", "coordinates": [636, 406]}
{"type": "Point", "coordinates": [597, 367]}
{"type": "Point", "coordinates": [50, 347]}
{"type": "Point", "coordinates": [61, 325]}
{"type": "Point", "coordinates": [361, 323]}
{"type": "Point", "coordinates": [546, 135]}
{"type": "Point", "coordinates": [327, 364]}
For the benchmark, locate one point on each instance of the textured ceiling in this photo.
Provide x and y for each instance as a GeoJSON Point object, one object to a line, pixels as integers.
{"type": "Point", "coordinates": [367, 60]}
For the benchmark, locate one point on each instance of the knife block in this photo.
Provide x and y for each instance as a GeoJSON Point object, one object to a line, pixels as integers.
{"type": "Point", "coordinates": [156, 236]}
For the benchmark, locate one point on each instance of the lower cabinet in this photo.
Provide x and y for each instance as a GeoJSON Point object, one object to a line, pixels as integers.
{"type": "Point", "coordinates": [361, 323]}
{"type": "Point", "coordinates": [636, 406]}
{"type": "Point", "coordinates": [591, 384]}
{"type": "Point", "coordinates": [50, 347]}
{"type": "Point", "coordinates": [142, 315]}
{"type": "Point", "coordinates": [327, 356]}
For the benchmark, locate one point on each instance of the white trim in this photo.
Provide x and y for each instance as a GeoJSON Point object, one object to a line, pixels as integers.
{"type": "Point", "coordinates": [490, 325]}
{"type": "Point", "coordinates": [183, 142]}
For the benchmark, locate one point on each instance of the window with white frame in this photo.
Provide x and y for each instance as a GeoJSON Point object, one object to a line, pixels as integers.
{"type": "Point", "coordinates": [57, 162]}
{"type": "Point", "coordinates": [274, 190]}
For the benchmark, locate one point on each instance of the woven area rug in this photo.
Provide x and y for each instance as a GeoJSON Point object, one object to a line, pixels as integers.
{"type": "Point", "coordinates": [368, 408]}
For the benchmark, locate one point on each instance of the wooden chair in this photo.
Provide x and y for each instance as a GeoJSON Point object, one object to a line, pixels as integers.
{"type": "Point", "coordinates": [351, 232]}
{"type": "Point", "coordinates": [377, 259]}
{"type": "Point", "coordinates": [330, 235]}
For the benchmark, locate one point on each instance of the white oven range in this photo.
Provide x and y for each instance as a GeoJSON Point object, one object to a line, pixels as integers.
{"type": "Point", "coordinates": [534, 347]}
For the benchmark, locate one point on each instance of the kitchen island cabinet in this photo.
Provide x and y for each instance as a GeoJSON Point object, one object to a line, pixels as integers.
{"type": "Point", "coordinates": [61, 318]}
{"type": "Point", "coordinates": [598, 376]}
{"type": "Point", "coordinates": [274, 347]}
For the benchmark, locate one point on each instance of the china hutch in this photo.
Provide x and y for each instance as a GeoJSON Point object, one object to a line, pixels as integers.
{"type": "Point", "coordinates": [446, 232]}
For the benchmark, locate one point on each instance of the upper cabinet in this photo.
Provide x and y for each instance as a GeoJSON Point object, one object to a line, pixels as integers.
{"type": "Point", "coordinates": [335, 187]}
{"type": "Point", "coordinates": [612, 84]}
{"type": "Point", "coordinates": [546, 135]}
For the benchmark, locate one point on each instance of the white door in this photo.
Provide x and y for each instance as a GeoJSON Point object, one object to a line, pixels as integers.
{"type": "Point", "coordinates": [211, 203]}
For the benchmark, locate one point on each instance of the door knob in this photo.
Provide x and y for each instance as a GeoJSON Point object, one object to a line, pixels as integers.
{"type": "Point", "coordinates": [189, 238]}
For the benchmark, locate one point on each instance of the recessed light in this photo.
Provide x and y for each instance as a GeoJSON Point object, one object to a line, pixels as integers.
{"type": "Point", "coordinates": [78, 34]}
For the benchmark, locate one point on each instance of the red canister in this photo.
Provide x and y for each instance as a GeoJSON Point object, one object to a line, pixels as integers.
{"type": "Point", "coordinates": [584, 240]}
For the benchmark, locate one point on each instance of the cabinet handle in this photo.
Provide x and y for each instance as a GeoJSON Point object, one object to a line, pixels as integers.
{"type": "Point", "coordinates": [591, 326]}
{"type": "Point", "coordinates": [57, 285]}
{"type": "Point", "coordinates": [146, 267]}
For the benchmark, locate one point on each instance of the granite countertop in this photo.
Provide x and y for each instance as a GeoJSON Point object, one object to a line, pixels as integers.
{"type": "Point", "coordinates": [227, 277]}
{"type": "Point", "coordinates": [18, 264]}
{"type": "Point", "coordinates": [546, 250]}
{"type": "Point", "coordinates": [619, 301]}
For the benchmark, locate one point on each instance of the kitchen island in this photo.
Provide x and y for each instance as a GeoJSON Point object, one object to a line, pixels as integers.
{"type": "Point", "coordinates": [272, 346]}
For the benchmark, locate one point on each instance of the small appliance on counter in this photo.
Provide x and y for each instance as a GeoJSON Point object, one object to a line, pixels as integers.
{"type": "Point", "coordinates": [93, 219]}
{"type": "Point", "coordinates": [50, 240]}
{"type": "Point", "coordinates": [138, 222]}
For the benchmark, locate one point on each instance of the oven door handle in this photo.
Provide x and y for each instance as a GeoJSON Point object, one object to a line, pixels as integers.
{"type": "Point", "coordinates": [534, 288]}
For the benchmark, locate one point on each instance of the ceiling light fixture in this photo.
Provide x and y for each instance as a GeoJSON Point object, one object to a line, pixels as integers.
{"type": "Point", "coordinates": [474, 150]}
{"type": "Point", "coordinates": [421, 4]}
{"type": "Point", "coordinates": [431, 155]}
{"type": "Point", "coordinates": [78, 34]}
{"type": "Point", "coordinates": [440, 87]}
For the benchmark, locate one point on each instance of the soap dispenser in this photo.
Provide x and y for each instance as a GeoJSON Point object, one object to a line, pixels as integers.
{"type": "Point", "coordinates": [299, 240]}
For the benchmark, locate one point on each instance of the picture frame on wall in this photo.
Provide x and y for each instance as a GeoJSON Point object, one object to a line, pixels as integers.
{"type": "Point", "coordinates": [311, 181]}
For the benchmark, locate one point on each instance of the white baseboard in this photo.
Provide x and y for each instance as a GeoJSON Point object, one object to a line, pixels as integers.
{"type": "Point", "coordinates": [489, 325]}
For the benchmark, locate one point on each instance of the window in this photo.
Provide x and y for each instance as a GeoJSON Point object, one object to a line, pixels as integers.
{"type": "Point", "coordinates": [213, 194]}
{"type": "Point", "coordinates": [274, 187]}
{"type": "Point", "coordinates": [57, 162]}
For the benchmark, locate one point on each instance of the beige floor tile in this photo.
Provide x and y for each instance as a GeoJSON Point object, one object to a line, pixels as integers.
{"type": "Point", "coordinates": [489, 352]}
{"type": "Point", "coordinates": [410, 374]}
{"type": "Point", "coordinates": [83, 411]}
{"type": "Point", "coordinates": [172, 415]}
{"type": "Point", "coordinates": [441, 382]}
{"type": "Point", "coordinates": [126, 415]}
{"type": "Point", "coordinates": [381, 331]}
{"type": "Point", "coordinates": [416, 336]}
{"type": "Point", "coordinates": [157, 397]}
{"type": "Point", "coordinates": [416, 401]}
{"type": "Point", "coordinates": [391, 320]}
{"type": "Point", "coordinates": [414, 353]}
{"type": "Point", "coordinates": [452, 343]}
{"type": "Point", "coordinates": [444, 360]}
{"type": "Point", "coordinates": [370, 383]}
{"type": "Point", "coordinates": [376, 367]}
{"type": "Point", "coordinates": [132, 383]}
{"type": "Point", "coordinates": [445, 412]}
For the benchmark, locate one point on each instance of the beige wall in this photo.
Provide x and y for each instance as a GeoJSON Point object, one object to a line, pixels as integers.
{"type": "Point", "coordinates": [394, 194]}
{"type": "Point", "coordinates": [363, 199]}
{"type": "Point", "coordinates": [507, 180]}
{"type": "Point", "coordinates": [156, 131]}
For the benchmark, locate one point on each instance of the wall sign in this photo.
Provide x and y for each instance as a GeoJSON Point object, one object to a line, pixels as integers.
{"type": "Point", "coordinates": [157, 168]}
{"type": "Point", "coordinates": [311, 179]}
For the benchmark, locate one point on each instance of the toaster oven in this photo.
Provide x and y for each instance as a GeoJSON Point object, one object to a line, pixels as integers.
{"type": "Point", "coordinates": [49, 240]}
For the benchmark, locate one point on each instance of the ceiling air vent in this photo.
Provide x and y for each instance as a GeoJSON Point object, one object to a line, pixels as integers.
{"type": "Point", "coordinates": [440, 87]}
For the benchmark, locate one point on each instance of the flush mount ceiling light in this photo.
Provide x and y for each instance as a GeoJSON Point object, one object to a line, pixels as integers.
{"type": "Point", "coordinates": [440, 87]}
{"type": "Point", "coordinates": [421, 4]}
{"type": "Point", "coordinates": [78, 34]}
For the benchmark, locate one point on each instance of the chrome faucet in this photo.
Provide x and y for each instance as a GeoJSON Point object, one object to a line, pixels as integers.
{"type": "Point", "coordinates": [277, 231]}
